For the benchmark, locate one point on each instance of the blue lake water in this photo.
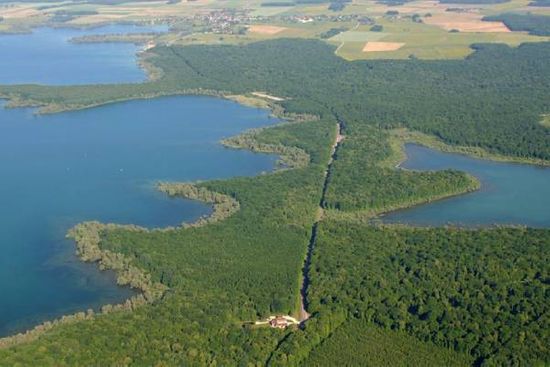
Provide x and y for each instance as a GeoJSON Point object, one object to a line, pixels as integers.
{"type": "Point", "coordinates": [47, 57]}
{"type": "Point", "coordinates": [101, 164]}
{"type": "Point", "coordinates": [510, 193]}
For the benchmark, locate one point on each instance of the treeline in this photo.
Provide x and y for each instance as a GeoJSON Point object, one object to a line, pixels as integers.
{"type": "Point", "coordinates": [481, 292]}
{"type": "Point", "coordinates": [536, 24]}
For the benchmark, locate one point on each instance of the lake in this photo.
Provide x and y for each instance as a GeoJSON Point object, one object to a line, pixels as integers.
{"type": "Point", "coordinates": [102, 164]}
{"type": "Point", "coordinates": [47, 56]}
{"type": "Point", "coordinates": [510, 193]}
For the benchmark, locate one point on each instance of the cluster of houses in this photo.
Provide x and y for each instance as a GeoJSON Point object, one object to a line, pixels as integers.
{"type": "Point", "coordinates": [231, 21]}
{"type": "Point", "coordinates": [324, 18]}
{"type": "Point", "coordinates": [223, 21]}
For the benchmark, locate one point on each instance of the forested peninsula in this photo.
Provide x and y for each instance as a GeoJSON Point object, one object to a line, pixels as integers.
{"type": "Point", "coordinates": [427, 296]}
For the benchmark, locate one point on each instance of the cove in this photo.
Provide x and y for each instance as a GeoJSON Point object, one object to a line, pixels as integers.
{"type": "Point", "coordinates": [510, 193]}
{"type": "Point", "coordinates": [46, 56]}
{"type": "Point", "coordinates": [102, 164]}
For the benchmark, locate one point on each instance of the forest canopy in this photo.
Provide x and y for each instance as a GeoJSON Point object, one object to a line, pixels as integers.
{"type": "Point", "coordinates": [473, 102]}
{"type": "Point", "coordinates": [536, 24]}
{"type": "Point", "coordinates": [471, 296]}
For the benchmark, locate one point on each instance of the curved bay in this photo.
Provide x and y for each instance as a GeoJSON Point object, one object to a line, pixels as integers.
{"type": "Point", "coordinates": [101, 164]}
{"type": "Point", "coordinates": [510, 193]}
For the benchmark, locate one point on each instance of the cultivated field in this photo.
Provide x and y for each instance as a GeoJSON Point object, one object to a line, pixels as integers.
{"type": "Point", "coordinates": [465, 22]}
{"type": "Point", "coordinates": [382, 46]}
{"type": "Point", "coordinates": [266, 29]}
{"type": "Point", "coordinates": [423, 41]}
{"type": "Point", "coordinates": [422, 29]}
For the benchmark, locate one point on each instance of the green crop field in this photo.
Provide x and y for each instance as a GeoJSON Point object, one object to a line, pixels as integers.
{"type": "Point", "coordinates": [424, 41]}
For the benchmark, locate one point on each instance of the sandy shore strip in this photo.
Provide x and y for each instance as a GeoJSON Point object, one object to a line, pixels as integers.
{"type": "Point", "coordinates": [267, 96]}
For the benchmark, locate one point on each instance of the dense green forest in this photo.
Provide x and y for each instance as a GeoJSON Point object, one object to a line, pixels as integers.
{"type": "Point", "coordinates": [481, 292]}
{"type": "Point", "coordinates": [536, 24]}
{"type": "Point", "coordinates": [356, 343]}
{"type": "Point", "coordinates": [362, 181]}
{"type": "Point", "coordinates": [435, 295]}
{"type": "Point", "coordinates": [476, 102]}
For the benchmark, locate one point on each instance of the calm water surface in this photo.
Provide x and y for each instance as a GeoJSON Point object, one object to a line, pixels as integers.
{"type": "Point", "coordinates": [510, 193]}
{"type": "Point", "coordinates": [101, 164]}
{"type": "Point", "coordinates": [47, 57]}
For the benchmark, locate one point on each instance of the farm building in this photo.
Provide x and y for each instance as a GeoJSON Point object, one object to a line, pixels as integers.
{"type": "Point", "coordinates": [278, 322]}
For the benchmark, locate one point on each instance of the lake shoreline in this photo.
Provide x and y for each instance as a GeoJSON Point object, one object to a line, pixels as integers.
{"type": "Point", "coordinates": [408, 136]}
{"type": "Point", "coordinates": [399, 136]}
{"type": "Point", "coordinates": [504, 189]}
{"type": "Point", "coordinates": [87, 237]}
{"type": "Point", "coordinates": [371, 216]}
{"type": "Point", "coordinates": [127, 60]}
{"type": "Point", "coordinates": [12, 101]}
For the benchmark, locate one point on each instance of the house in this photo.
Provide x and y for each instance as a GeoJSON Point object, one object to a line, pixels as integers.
{"type": "Point", "coordinates": [278, 322]}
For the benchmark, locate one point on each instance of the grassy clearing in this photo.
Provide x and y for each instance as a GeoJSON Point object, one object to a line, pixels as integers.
{"type": "Point", "coordinates": [248, 100]}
